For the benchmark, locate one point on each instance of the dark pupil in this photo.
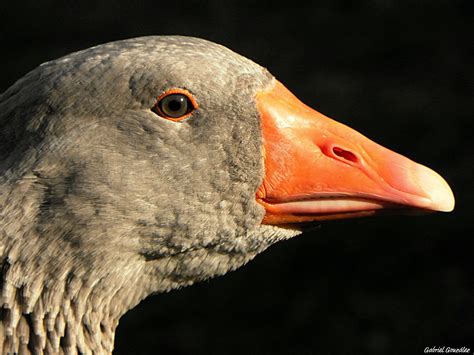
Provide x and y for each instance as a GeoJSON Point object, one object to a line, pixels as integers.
{"type": "Point", "coordinates": [175, 104]}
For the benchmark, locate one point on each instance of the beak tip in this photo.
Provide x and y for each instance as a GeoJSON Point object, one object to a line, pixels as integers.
{"type": "Point", "coordinates": [437, 190]}
{"type": "Point", "coordinates": [444, 204]}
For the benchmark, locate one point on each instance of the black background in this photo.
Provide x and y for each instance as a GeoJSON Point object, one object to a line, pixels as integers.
{"type": "Point", "coordinates": [397, 71]}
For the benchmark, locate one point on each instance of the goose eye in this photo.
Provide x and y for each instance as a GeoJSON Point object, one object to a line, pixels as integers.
{"type": "Point", "coordinates": [175, 105]}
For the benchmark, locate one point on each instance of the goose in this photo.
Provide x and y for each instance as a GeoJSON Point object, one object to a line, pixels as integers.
{"type": "Point", "coordinates": [148, 164]}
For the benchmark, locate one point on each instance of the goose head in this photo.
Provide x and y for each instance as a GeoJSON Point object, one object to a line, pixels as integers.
{"type": "Point", "coordinates": [144, 165]}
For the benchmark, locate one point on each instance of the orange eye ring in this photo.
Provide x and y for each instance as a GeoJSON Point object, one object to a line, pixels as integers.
{"type": "Point", "coordinates": [175, 105]}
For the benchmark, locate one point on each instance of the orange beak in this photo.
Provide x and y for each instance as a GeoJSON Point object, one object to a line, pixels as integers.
{"type": "Point", "coordinates": [319, 169]}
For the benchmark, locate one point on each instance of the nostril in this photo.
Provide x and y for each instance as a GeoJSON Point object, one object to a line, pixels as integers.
{"type": "Point", "coordinates": [345, 154]}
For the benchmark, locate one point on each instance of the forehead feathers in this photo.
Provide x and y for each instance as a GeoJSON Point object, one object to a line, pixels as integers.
{"type": "Point", "coordinates": [130, 74]}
